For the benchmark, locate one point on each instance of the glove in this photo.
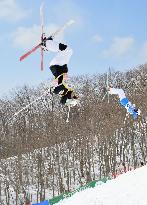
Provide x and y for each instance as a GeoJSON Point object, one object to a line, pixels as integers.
{"type": "Point", "coordinates": [43, 41]}
{"type": "Point", "coordinates": [50, 38]}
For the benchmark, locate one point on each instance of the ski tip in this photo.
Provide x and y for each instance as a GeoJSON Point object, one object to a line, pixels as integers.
{"type": "Point", "coordinates": [21, 58]}
{"type": "Point", "coordinates": [41, 6]}
{"type": "Point", "coordinates": [70, 22]}
{"type": "Point", "coordinates": [139, 112]}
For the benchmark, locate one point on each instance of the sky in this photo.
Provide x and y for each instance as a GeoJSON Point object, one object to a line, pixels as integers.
{"type": "Point", "coordinates": [106, 33]}
{"type": "Point", "coordinates": [126, 189]}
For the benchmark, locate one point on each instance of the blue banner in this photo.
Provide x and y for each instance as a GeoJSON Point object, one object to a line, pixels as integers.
{"type": "Point", "coordinates": [43, 203]}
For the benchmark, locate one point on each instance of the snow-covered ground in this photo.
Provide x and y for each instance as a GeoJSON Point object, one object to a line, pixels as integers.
{"type": "Point", "coordinates": [127, 189]}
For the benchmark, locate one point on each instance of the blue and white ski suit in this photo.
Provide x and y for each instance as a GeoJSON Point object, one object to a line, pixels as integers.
{"type": "Point", "coordinates": [124, 101]}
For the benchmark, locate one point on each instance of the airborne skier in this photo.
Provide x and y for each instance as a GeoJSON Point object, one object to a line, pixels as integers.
{"type": "Point", "coordinates": [124, 101]}
{"type": "Point", "coordinates": [59, 69]}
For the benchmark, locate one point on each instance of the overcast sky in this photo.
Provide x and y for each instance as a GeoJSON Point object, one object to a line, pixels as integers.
{"type": "Point", "coordinates": [106, 33]}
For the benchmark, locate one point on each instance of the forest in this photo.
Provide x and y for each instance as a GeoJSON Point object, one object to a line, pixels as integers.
{"type": "Point", "coordinates": [43, 155]}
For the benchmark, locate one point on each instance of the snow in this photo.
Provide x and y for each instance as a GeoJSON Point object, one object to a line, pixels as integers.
{"type": "Point", "coordinates": [127, 189]}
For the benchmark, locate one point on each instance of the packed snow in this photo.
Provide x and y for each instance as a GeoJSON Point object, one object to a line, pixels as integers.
{"type": "Point", "coordinates": [127, 189]}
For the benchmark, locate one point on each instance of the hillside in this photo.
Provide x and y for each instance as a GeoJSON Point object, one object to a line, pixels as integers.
{"type": "Point", "coordinates": [126, 189]}
{"type": "Point", "coordinates": [44, 156]}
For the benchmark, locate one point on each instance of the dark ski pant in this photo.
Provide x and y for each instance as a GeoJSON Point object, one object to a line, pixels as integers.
{"type": "Point", "coordinates": [66, 93]}
{"type": "Point", "coordinates": [58, 71]}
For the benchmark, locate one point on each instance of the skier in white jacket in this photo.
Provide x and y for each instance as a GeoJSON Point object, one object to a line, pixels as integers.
{"type": "Point", "coordinates": [124, 101]}
{"type": "Point", "coordinates": [59, 69]}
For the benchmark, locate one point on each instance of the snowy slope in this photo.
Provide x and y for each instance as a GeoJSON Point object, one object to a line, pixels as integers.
{"type": "Point", "coordinates": [127, 189]}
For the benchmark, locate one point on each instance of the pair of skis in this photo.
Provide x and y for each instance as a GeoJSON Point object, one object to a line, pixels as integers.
{"type": "Point", "coordinates": [109, 82]}
{"type": "Point", "coordinates": [46, 92]}
{"type": "Point", "coordinates": [29, 105]}
{"type": "Point", "coordinates": [39, 45]}
{"type": "Point", "coordinates": [107, 86]}
{"type": "Point", "coordinates": [61, 29]}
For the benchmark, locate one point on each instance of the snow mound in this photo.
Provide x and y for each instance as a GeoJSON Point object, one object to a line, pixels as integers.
{"type": "Point", "coordinates": [127, 189]}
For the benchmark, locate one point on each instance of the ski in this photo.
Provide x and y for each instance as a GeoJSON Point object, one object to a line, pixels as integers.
{"type": "Point", "coordinates": [108, 85]}
{"type": "Point", "coordinates": [42, 33]}
{"type": "Point", "coordinates": [28, 105]}
{"type": "Point", "coordinates": [29, 52]}
{"type": "Point", "coordinates": [62, 28]}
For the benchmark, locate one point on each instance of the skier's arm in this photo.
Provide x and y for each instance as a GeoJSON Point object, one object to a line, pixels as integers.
{"type": "Point", "coordinates": [118, 92]}
{"type": "Point", "coordinates": [114, 91]}
{"type": "Point", "coordinates": [52, 46]}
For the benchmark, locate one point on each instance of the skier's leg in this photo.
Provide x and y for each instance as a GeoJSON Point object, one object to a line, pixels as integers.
{"type": "Point", "coordinates": [63, 100]}
{"type": "Point", "coordinates": [59, 72]}
{"type": "Point", "coordinates": [67, 95]}
{"type": "Point", "coordinates": [60, 88]}
{"type": "Point", "coordinates": [129, 107]}
{"type": "Point", "coordinates": [124, 102]}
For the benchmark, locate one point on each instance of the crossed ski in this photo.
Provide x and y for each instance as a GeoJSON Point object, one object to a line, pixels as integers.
{"type": "Point", "coordinates": [68, 23]}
